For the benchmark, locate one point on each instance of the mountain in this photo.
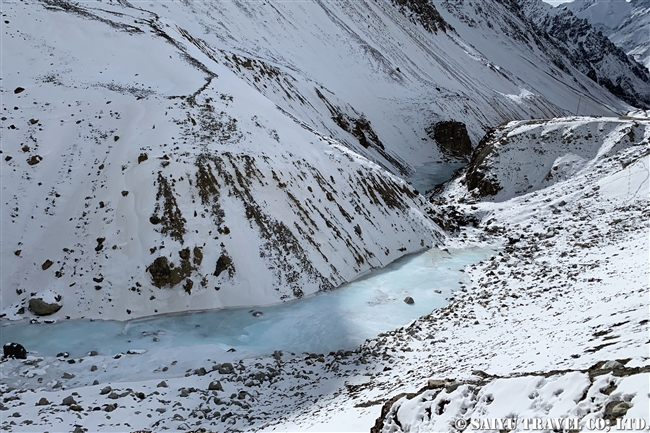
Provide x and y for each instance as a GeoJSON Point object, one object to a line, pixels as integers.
{"type": "Point", "coordinates": [626, 24]}
{"type": "Point", "coordinates": [552, 326]}
{"type": "Point", "coordinates": [178, 156]}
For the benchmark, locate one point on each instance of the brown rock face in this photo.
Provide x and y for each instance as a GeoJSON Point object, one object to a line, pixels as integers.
{"type": "Point", "coordinates": [42, 308]}
{"type": "Point", "coordinates": [166, 274]}
{"type": "Point", "coordinates": [452, 138]}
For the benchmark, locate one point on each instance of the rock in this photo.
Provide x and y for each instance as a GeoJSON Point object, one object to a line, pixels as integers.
{"type": "Point", "coordinates": [67, 375]}
{"type": "Point", "coordinates": [105, 390]}
{"type": "Point", "coordinates": [200, 371]}
{"type": "Point", "coordinates": [93, 368]}
{"type": "Point", "coordinates": [452, 138]}
{"type": "Point", "coordinates": [409, 300]}
{"type": "Point", "coordinates": [62, 355]}
{"type": "Point", "coordinates": [436, 383]}
{"type": "Point", "coordinates": [18, 90]}
{"type": "Point", "coordinates": [42, 308]}
{"type": "Point", "coordinates": [95, 382]}
{"type": "Point", "coordinates": [42, 402]}
{"type": "Point", "coordinates": [69, 401]}
{"type": "Point", "coordinates": [161, 410]}
{"type": "Point", "coordinates": [611, 365]}
{"type": "Point", "coordinates": [34, 159]}
{"type": "Point", "coordinates": [93, 353]}
{"type": "Point", "coordinates": [215, 386]}
{"type": "Point", "coordinates": [162, 384]}
{"type": "Point", "coordinates": [14, 350]}
{"type": "Point", "coordinates": [226, 368]}
{"type": "Point", "coordinates": [113, 396]}
{"type": "Point", "coordinates": [46, 264]}
{"type": "Point", "coordinates": [616, 409]}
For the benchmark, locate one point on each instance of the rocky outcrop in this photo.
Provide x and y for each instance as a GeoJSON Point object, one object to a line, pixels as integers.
{"type": "Point", "coordinates": [434, 399]}
{"type": "Point", "coordinates": [452, 138]}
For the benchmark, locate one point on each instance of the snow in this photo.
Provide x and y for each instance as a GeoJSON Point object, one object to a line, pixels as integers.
{"type": "Point", "coordinates": [220, 120]}
{"type": "Point", "coordinates": [627, 24]}
{"type": "Point", "coordinates": [340, 319]}
{"type": "Point", "coordinates": [526, 337]}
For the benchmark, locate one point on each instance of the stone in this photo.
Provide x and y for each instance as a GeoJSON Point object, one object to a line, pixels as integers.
{"type": "Point", "coordinates": [105, 390]}
{"type": "Point", "coordinates": [14, 350]}
{"type": "Point", "coordinates": [616, 409]}
{"type": "Point", "coordinates": [162, 384]}
{"type": "Point", "coordinates": [67, 375]}
{"type": "Point", "coordinates": [436, 383]}
{"type": "Point", "coordinates": [42, 402]}
{"type": "Point", "coordinates": [215, 386]}
{"type": "Point", "coordinates": [69, 401]}
{"type": "Point", "coordinates": [42, 308]}
{"type": "Point", "coordinates": [93, 353]}
{"type": "Point", "coordinates": [226, 368]}
{"type": "Point", "coordinates": [409, 300]}
{"type": "Point", "coordinates": [611, 365]}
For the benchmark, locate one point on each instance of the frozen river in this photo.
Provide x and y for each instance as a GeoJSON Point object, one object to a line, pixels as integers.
{"type": "Point", "coordinates": [338, 319]}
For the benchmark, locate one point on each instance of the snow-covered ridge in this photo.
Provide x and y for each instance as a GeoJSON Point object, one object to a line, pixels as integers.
{"type": "Point", "coordinates": [627, 24]}
{"type": "Point", "coordinates": [527, 156]}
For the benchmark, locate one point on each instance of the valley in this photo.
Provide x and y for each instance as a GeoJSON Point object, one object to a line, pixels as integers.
{"type": "Point", "coordinates": [213, 215]}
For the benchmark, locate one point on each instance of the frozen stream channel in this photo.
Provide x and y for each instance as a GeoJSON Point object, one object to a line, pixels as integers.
{"type": "Point", "coordinates": [339, 319]}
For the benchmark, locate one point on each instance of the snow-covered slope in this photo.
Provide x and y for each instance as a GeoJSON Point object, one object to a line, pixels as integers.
{"type": "Point", "coordinates": [527, 156]}
{"type": "Point", "coordinates": [189, 155]}
{"type": "Point", "coordinates": [569, 291]}
{"type": "Point", "coordinates": [626, 23]}
{"type": "Point", "coordinates": [554, 325]}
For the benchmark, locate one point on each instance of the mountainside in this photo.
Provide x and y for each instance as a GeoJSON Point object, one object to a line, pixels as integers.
{"type": "Point", "coordinates": [590, 51]}
{"type": "Point", "coordinates": [627, 24]}
{"type": "Point", "coordinates": [191, 155]}
{"type": "Point", "coordinates": [569, 290]}
{"type": "Point", "coordinates": [554, 325]}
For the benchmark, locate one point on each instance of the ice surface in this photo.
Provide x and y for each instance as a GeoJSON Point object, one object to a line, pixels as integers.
{"type": "Point", "coordinates": [340, 319]}
{"type": "Point", "coordinates": [430, 174]}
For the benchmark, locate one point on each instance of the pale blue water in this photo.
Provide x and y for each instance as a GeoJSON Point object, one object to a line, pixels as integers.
{"type": "Point", "coordinates": [325, 322]}
{"type": "Point", "coordinates": [431, 174]}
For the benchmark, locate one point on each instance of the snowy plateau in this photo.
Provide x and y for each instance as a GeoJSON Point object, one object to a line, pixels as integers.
{"type": "Point", "coordinates": [167, 163]}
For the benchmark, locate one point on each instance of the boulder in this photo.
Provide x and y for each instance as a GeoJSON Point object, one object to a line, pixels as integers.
{"type": "Point", "coordinates": [41, 308]}
{"type": "Point", "coordinates": [226, 368]}
{"type": "Point", "coordinates": [69, 401]}
{"type": "Point", "coordinates": [215, 386]}
{"type": "Point", "coordinates": [14, 350]}
{"type": "Point", "coordinates": [409, 300]}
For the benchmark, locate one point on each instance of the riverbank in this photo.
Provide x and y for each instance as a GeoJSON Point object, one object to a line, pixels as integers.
{"type": "Point", "coordinates": [567, 293]}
